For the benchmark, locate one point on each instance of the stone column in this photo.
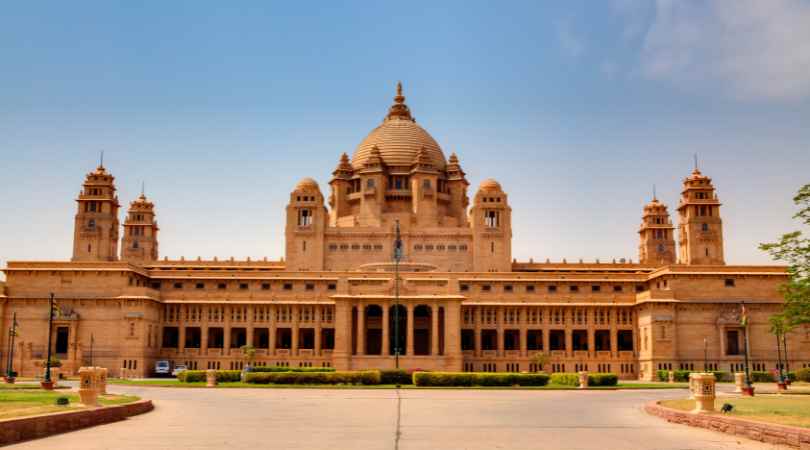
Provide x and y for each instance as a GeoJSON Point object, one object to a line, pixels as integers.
{"type": "Point", "coordinates": [318, 330]}
{"type": "Point", "coordinates": [524, 342]}
{"type": "Point", "coordinates": [361, 329]}
{"type": "Point", "coordinates": [614, 333]}
{"type": "Point", "coordinates": [409, 345]}
{"type": "Point", "coordinates": [434, 329]}
{"type": "Point", "coordinates": [296, 309]}
{"type": "Point", "coordinates": [341, 356]}
{"type": "Point", "coordinates": [569, 341]}
{"type": "Point", "coordinates": [477, 324]}
{"type": "Point", "coordinates": [227, 332]}
{"type": "Point", "coordinates": [452, 336]}
{"type": "Point", "coordinates": [499, 319]}
{"type": "Point", "coordinates": [273, 318]}
{"type": "Point", "coordinates": [546, 340]}
{"type": "Point", "coordinates": [591, 340]}
{"type": "Point", "coordinates": [204, 331]}
{"type": "Point", "coordinates": [249, 331]}
{"type": "Point", "coordinates": [385, 330]}
{"type": "Point", "coordinates": [181, 339]}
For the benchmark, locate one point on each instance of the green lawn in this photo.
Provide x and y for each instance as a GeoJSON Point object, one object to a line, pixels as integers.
{"type": "Point", "coordinates": [177, 384]}
{"type": "Point", "coordinates": [783, 409]}
{"type": "Point", "coordinates": [18, 401]}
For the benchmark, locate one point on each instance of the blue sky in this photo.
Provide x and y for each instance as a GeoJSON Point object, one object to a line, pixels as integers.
{"type": "Point", "coordinates": [577, 108]}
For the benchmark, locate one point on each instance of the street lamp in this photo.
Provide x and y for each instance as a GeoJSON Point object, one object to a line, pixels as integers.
{"type": "Point", "coordinates": [705, 355]}
{"type": "Point", "coordinates": [47, 383]}
{"type": "Point", "coordinates": [749, 389]}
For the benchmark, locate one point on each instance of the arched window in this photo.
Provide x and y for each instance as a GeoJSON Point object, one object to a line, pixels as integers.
{"type": "Point", "coordinates": [135, 244]}
{"type": "Point", "coordinates": [91, 223]}
{"type": "Point", "coordinates": [705, 227]}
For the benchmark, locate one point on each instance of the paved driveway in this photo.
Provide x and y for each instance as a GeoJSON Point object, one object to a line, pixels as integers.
{"type": "Point", "coordinates": [387, 419]}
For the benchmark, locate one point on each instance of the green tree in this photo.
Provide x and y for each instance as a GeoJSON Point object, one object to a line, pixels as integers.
{"type": "Point", "coordinates": [541, 359]}
{"type": "Point", "coordinates": [249, 354]}
{"type": "Point", "coordinates": [794, 249]}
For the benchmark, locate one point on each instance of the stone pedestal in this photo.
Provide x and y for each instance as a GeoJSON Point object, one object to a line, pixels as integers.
{"type": "Point", "coordinates": [671, 376]}
{"type": "Point", "coordinates": [739, 381]}
{"type": "Point", "coordinates": [101, 380]}
{"type": "Point", "coordinates": [583, 380]}
{"type": "Point", "coordinates": [703, 391]}
{"type": "Point", "coordinates": [210, 378]}
{"type": "Point", "coordinates": [88, 392]}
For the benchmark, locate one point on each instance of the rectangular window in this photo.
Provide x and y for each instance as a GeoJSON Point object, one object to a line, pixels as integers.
{"type": "Point", "coordinates": [288, 286]}
{"type": "Point", "coordinates": [534, 339]}
{"type": "Point", "coordinates": [464, 287]}
{"type": "Point", "coordinates": [243, 286]}
{"type": "Point", "coordinates": [310, 286]}
{"type": "Point", "coordinates": [729, 282]}
{"type": "Point", "coordinates": [200, 286]}
{"type": "Point", "coordinates": [486, 288]}
{"type": "Point", "coordinates": [552, 289]}
{"type": "Point", "coordinates": [265, 286]}
{"type": "Point", "coordinates": [507, 288]}
{"type": "Point", "coordinates": [617, 288]}
{"type": "Point", "coordinates": [467, 340]}
{"type": "Point", "coordinates": [625, 340]}
{"type": "Point", "coordinates": [573, 288]}
{"type": "Point", "coordinates": [221, 286]}
{"type": "Point", "coordinates": [178, 285]}
{"type": "Point", "coordinates": [556, 339]}
{"type": "Point", "coordinates": [331, 286]}
{"type": "Point", "coordinates": [530, 288]}
{"type": "Point", "coordinates": [596, 288]}
{"type": "Point", "coordinates": [732, 342]}
{"type": "Point", "coordinates": [579, 339]}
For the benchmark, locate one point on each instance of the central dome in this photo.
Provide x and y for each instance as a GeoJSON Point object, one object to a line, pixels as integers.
{"type": "Point", "coordinates": [399, 139]}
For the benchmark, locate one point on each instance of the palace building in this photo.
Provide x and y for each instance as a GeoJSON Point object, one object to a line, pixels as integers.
{"type": "Point", "coordinates": [460, 301]}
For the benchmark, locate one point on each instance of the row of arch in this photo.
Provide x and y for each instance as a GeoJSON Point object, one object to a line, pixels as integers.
{"type": "Point", "coordinates": [421, 330]}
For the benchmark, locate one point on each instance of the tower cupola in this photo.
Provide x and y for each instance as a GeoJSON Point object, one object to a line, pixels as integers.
{"type": "Point", "coordinates": [95, 234]}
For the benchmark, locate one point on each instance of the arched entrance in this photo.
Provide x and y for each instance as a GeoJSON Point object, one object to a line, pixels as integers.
{"type": "Point", "coordinates": [373, 327]}
{"type": "Point", "coordinates": [422, 319]}
{"type": "Point", "coordinates": [397, 315]}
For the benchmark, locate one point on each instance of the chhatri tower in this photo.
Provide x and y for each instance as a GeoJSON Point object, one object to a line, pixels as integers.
{"type": "Point", "coordinates": [462, 302]}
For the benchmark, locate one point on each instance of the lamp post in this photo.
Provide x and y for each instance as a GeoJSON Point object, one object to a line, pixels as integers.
{"type": "Point", "coordinates": [748, 389]}
{"type": "Point", "coordinates": [47, 383]}
{"type": "Point", "coordinates": [787, 362]}
{"type": "Point", "coordinates": [91, 350]}
{"type": "Point", "coordinates": [779, 358]}
{"type": "Point", "coordinates": [12, 333]}
{"type": "Point", "coordinates": [397, 258]}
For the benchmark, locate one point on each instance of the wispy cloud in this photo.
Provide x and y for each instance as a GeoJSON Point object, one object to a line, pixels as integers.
{"type": "Point", "coordinates": [749, 49]}
{"type": "Point", "coordinates": [570, 42]}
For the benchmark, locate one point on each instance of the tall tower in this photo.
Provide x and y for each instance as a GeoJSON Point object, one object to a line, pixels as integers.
{"type": "Point", "coordinates": [700, 226]}
{"type": "Point", "coordinates": [95, 236]}
{"type": "Point", "coordinates": [140, 241]}
{"type": "Point", "coordinates": [656, 235]}
{"type": "Point", "coordinates": [306, 227]}
{"type": "Point", "coordinates": [491, 222]}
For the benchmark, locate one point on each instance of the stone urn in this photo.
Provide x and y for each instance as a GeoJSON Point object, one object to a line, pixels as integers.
{"type": "Point", "coordinates": [671, 376]}
{"type": "Point", "coordinates": [583, 380]}
{"type": "Point", "coordinates": [704, 392]}
{"type": "Point", "coordinates": [210, 378]}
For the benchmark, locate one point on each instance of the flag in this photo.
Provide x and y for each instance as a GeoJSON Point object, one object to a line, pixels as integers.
{"type": "Point", "coordinates": [743, 316]}
{"type": "Point", "coordinates": [56, 310]}
{"type": "Point", "coordinates": [397, 245]}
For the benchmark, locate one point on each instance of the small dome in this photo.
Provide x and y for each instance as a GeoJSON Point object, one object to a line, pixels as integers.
{"type": "Point", "coordinates": [490, 185]}
{"type": "Point", "coordinates": [307, 184]}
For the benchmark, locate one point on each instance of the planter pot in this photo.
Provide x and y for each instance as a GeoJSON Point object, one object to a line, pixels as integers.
{"type": "Point", "coordinates": [47, 385]}
{"type": "Point", "coordinates": [748, 391]}
{"type": "Point", "coordinates": [781, 387]}
{"type": "Point", "coordinates": [10, 380]}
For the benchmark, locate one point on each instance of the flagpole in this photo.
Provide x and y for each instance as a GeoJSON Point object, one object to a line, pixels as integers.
{"type": "Point", "coordinates": [397, 257]}
{"type": "Point", "coordinates": [91, 350]}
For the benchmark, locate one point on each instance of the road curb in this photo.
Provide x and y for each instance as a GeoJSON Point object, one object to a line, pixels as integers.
{"type": "Point", "coordinates": [39, 426]}
{"type": "Point", "coordinates": [758, 431]}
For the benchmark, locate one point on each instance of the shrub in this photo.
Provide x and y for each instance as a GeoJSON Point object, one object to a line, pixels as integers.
{"type": "Point", "coordinates": [565, 379]}
{"type": "Point", "coordinates": [62, 400]}
{"type": "Point", "coordinates": [663, 375]}
{"type": "Point", "coordinates": [195, 376]}
{"type": "Point", "coordinates": [603, 379]}
{"type": "Point", "coordinates": [720, 375]}
{"type": "Point", "coordinates": [291, 369]}
{"type": "Point", "coordinates": [479, 379]}
{"type": "Point", "coordinates": [396, 376]}
{"type": "Point", "coordinates": [803, 375]}
{"type": "Point", "coordinates": [761, 377]}
{"type": "Point", "coordinates": [367, 377]}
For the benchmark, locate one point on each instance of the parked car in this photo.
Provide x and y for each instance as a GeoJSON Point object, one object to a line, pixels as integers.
{"type": "Point", "coordinates": [162, 367]}
{"type": "Point", "coordinates": [178, 369]}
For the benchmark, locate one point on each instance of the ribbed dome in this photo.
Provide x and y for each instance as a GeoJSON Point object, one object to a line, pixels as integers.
{"type": "Point", "coordinates": [490, 185]}
{"type": "Point", "coordinates": [306, 183]}
{"type": "Point", "coordinates": [399, 139]}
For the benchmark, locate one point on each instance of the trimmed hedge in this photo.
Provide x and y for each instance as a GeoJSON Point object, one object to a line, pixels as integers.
{"type": "Point", "coordinates": [803, 375]}
{"type": "Point", "coordinates": [366, 377]}
{"type": "Point", "coordinates": [565, 379]}
{"type": "Point", "coordinates": [761, 377]}
{"type": "Point", "coordinates": [603, 379]}
{"type": "Point", "coordinates": [683, 375]}
{"type": "Point", "coordinates": [479, 379]}
{"type": "Point", "coordinates": [394, 376]}
{"type": "Point", "coordinates": [192, 376]}
{"type": "Point", "coordinates": [291, 369]}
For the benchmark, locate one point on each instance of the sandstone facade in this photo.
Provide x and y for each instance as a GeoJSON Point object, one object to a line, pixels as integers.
{"type": "Point", "coordinates": [460, 303]}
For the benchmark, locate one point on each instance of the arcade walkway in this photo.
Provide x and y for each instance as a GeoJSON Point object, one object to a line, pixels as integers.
{"type": "Point", "coordinates": [379, 419]}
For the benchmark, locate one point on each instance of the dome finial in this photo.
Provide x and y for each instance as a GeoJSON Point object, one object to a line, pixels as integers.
{"type": "Point", "coordinates": [399, 110]}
